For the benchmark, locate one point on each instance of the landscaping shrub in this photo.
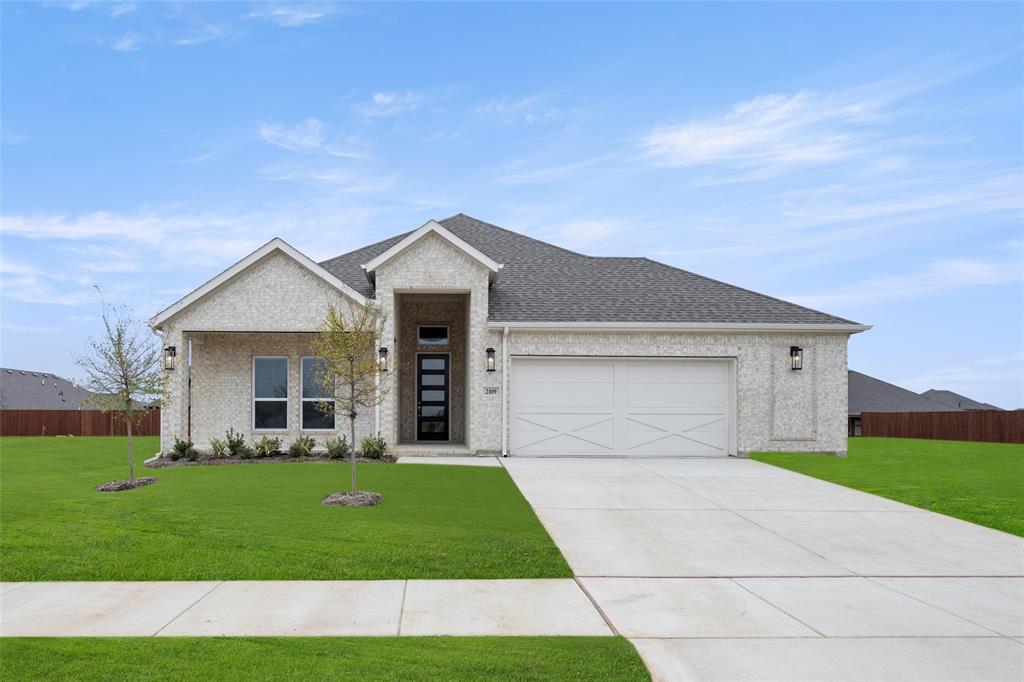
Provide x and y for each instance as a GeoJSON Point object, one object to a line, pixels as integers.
{"type": "Point", "coordinates": [235, 443]}
{"type": "Point", "coordinates": [246, 452]}
{"type": "Point", "coordinates": [373, 447]}
{"type": "Point", "coordinates": [337, 447]}
{"type": "Point", "coordinates": [267, 446]}
{"type": "Point", "coordinates": [184, 449]}
{"type": "Point", "coordinates": [219, 448]}
{"type": "Point", "coordinates": [302, 447]}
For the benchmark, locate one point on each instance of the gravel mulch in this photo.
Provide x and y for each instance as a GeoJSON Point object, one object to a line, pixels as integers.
{"type": "Point", "coordinates": [360, 498]}
{"type": "Point", "coordinates": [118, 486]}
{"type": "Point", "coordinates": [206, 460]}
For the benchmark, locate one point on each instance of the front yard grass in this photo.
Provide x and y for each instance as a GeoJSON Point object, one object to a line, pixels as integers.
{"type": "Point", "coordinates": [322, 658]}
{"type": "Point", "coordinates": [977, 482]}
{"type": "Point", "coordinates": [257, 521]}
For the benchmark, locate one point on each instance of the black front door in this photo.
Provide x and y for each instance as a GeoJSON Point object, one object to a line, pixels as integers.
{"type": "Point", "coordinates": [432, 394]}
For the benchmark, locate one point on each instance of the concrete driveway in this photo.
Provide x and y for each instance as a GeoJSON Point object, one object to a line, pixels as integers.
{"type": "Point", "coordinates": [728, 569]}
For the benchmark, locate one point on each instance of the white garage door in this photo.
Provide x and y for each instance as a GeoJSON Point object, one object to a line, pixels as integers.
{"type": "Point", "coordinates": [605, 406]}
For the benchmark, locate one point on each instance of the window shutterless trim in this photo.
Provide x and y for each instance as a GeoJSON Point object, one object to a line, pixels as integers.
{"type": "Point", "coordinates": [303, 399]}
{"type": "Point", "coordinates": [284, 400]}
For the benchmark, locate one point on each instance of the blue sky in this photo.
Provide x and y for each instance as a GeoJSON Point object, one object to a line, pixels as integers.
{"type": "Point", "coordinates": [863, 159]}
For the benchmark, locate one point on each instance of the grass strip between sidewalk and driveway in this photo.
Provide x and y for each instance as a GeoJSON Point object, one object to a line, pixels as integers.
{"type": "Point", "coordinates": [257, 521]}
{"type": "Point", "coordinates": [321, 658]}
{"type": "Point", "coordinates": [977, 482]}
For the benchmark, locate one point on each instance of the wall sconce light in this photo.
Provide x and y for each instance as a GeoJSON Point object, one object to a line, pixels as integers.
{"type": "Point", "coordinates": [490, 359]}
{"type": "Point", "coordinates": [796, 357]}
{"type": "Point", "coordinates": [382, 359]}
{"type": "Point", "coordinates": [170, 357]}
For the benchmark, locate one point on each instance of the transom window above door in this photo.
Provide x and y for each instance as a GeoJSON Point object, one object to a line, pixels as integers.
{"type": "Point", "coordinates": [432, 336]}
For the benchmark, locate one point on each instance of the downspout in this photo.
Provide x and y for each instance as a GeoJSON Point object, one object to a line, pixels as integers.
{"type": "Point", "coordinates": [504, 393]}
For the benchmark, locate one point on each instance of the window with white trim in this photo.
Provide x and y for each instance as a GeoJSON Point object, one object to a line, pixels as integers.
{"type": "Point", "coordinates": [314, 395]}
{"type": "Point", "coordinates": [270, 393]}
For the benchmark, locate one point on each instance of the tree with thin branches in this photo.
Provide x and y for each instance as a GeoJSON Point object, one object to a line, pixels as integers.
{"type": "Point", "coordinates": [122, 369]}
{"type": "Point", "coordinates": [347, 344]}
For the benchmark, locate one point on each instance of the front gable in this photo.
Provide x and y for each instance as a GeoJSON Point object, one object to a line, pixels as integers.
{"type": "Point", "coordinates": [275, 288]}
{"type": "Point", "coordinates": [433, 231]}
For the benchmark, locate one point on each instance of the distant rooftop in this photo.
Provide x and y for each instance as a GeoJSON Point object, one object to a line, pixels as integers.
{"type": "Point", "coordinates": [22, 389]}
{"type": "Point", "coordinates": [960, 402]}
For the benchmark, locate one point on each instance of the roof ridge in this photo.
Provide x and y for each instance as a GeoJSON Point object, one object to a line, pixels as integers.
{"type": "Point", "coordinates": [368, 246]}
{"type": "Point", "coordinates": [520, 235]}
{"type": "Point", "coordinates": [749, 291]}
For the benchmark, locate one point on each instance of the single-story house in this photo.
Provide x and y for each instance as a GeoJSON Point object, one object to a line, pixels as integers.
{"type": "Point", "coordinates": [957, 401]}
{"type": "Point", "coordinates": [868, 394]}
{"type": "Point", "coordinates": [496, 342]}
{"type": "Point", "coordinates": [22, 389]}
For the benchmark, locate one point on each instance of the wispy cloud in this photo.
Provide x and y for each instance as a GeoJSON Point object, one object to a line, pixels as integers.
{"type": "Point", "coordinates": [341, 179]}
{"type": "Point", "coordinates": [33, 329]}
{"type": "Point", "coordinates": [294, 15]}
{"type": "Point", "coordinates": [583, 232]}
{"type": "Point", "coordinates": [384, 104]}
{"type": "Point", "coordinates": [974, 377]}
{"type": "Point", "coordinates": [306, 135]}
{"type": "Point", "coordinates": [934, 278]}
{"type": "Point", "coordinates": [519, 174]}
{"type": "Point", "coordinates": [127, 42]}
{"type": "Point", "coordinates": [528, 109]}
{"type": "Point", "coordinates": [121, 9]}
{"type": "Point", "coordinates": [202, 34]}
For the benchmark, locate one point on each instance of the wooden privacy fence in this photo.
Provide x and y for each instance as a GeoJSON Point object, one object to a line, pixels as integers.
{"type": "Point", "coordinates": [990, 426]}
{"type": "Point", "coordinates": [74, 423]}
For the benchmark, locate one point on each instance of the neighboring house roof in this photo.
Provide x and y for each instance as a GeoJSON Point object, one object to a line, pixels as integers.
{"type": "Point", "coordinates": [955, 400]}
{"type": "Point", "coordinates": [26, 390]}
{"type": "Point", "coordinates": [541, 282]}
{"type": "Point", "coordinates": [868, 394]}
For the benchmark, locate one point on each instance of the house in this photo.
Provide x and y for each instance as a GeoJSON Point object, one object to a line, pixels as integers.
{"type": "Point", "coordinates": [499, 343]}
{"type": "Point", "coordinates": [868, 394]}
{"type": "Point", "coordinates": [955, 400]}
{"type": "Point", "coordinates": [22, 389]}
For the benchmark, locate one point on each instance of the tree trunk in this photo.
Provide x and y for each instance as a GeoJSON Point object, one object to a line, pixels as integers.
{"type": "Point", "coordinates": [352, 421]}
{"type": "Point", "coordinates": [131, 456]}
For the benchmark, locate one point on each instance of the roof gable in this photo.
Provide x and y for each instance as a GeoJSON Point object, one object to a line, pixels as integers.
{"type": "Point", "coordinates": [432, 227]}
{"type": "Point", "coordinates": [274, 245]}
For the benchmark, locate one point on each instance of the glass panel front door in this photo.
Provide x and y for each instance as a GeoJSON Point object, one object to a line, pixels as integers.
{"type": "Point", "coordinates": [432, 394]}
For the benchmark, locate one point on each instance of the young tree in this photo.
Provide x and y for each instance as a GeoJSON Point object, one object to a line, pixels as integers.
{"type": "Point", "coordinates": [122, 369]}
{"type": "Point", "coordinates": [347, 343]}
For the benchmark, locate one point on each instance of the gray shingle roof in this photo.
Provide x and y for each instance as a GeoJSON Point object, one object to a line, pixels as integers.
{"type": "Point", "coordinates": [22, 389]}
{"type": "Point", "coordinates": [868, 394]}
{"type": "Point", "coordinates": [955, 400]}
{"type": "Point", "coordinates": [542, 282]}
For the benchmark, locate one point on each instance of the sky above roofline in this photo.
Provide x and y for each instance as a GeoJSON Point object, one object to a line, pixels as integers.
{"type": "Point", "coordinates": [860, 159]}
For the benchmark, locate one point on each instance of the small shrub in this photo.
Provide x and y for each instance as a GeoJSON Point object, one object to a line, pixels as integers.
{"type": "Point", "coordinates": [302, 447]}
{"type": "Point", "coordinates": [246, 452]}
{"type": "Point", "coordinates": [373, 447]}
{"type": "Point", "coordinates": [184, 448]}
{"type": "Point", "coordinates": [218, 447]}
{"type": "Point", "coordinates": [267, 446]}
{"type": "Point", "coordinates": [235, 443]}
{"type": "Point", "coordinates": [337, 447]}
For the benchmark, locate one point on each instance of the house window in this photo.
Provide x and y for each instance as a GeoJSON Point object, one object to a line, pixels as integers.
{"type": "Point", "coordinates": [314, 394]}
{"type": "Point", "coordinates": [433, 336]}
{"type": "Point", "coordinates": [270, 393]}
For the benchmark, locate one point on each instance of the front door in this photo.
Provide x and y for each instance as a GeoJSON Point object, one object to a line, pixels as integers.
{"type": "Point", "coordinates": [432, 396]}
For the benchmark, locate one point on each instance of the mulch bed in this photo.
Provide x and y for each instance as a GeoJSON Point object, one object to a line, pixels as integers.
{"type": "Point", "coordinates": [118, 486]}
{"type": "Point", "coordinates": [360, 498]}
{"type": "Point", "coordinates": [206, 460]}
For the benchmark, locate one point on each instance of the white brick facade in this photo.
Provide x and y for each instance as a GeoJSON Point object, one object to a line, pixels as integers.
{"type": "Point", "coordinates": [273, 306]}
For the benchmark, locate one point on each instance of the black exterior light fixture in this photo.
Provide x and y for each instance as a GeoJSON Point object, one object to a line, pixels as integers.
{"type": "Point", "coordinates": [170, 357]}
{"type": "Point", "coordinates": [490, 359]}
{"type": "Point", "coordinates": [382, 359]}
{"type": "Point", "coordinates": [796, 358]}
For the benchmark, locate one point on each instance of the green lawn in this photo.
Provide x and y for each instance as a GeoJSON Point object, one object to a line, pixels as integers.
{"type": "Point", "coordinates": [978, 482]}
{"type": "Point", "coordinates": [257, 521]}
{"type": "Point", "coordinates": [337, 658]}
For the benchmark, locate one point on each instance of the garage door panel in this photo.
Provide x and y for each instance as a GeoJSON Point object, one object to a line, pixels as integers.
{"type": "Point", "coordinates": [619, 406]}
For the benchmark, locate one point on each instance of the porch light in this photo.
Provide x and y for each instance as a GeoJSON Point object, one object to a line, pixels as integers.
{"type": "Point", "coordinates": [796, 357]}
{"type": "Point", "coordinates": [382, 359]}
{"type": "Point", "coordinates": [170, 356]}
{"type": "Point", "coordinates": [490, 359]}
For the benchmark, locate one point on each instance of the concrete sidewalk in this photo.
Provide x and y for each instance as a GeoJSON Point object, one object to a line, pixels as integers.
{"type": "Point", "coordinates": [298, 608]}
{"type": "Point", "coordinates": [726, 569]}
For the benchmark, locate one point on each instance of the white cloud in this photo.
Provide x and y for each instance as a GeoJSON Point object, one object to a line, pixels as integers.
{"type": "Point", "coordinates": [770, 132]}
{"type": "Point", "coordinates": [294, 15]}
{"type": "Point", "coordinates": [384, 104]}
{"type": "Point", "coordinates": [529, 109]}
{"type": "Point", "coordinates": [33, 329]}
{"type": "Point", "coordinates": [120, 9]}
{"type": "Point", "coordinates": [342, 179]}
{"type": "Point", "coordinates": [306, 135]}
{"type": "Point", "coordinates": [202, 34]}
{"type": "Point", "coordinates": [938, 277]}
{"type": "Point", "coordinates": [128, 42]}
